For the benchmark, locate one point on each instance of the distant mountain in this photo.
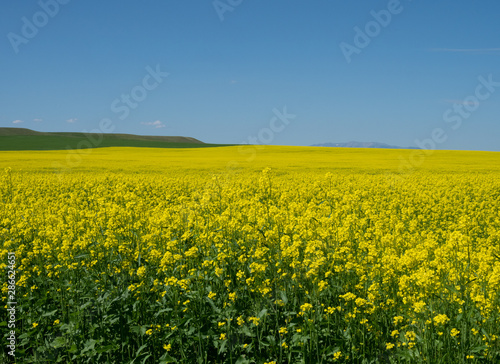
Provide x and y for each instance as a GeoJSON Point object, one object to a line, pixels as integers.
{"type": "Point", "coordinates": [353, 144]}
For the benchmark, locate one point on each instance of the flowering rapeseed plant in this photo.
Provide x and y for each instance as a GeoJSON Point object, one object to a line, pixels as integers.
{"type": "Point", "coordinates": [302, 255]}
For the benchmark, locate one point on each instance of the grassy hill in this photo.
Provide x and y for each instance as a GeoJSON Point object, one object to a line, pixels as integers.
{"type": "Point", "coordinates": [27, 139]}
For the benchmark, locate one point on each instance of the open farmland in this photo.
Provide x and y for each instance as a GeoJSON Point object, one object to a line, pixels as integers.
{"type": "Point", "coordinates": [245, 255]}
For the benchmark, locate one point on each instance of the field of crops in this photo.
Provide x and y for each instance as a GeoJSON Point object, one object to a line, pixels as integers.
{"type": "Point", "coordinates": [232, 255]}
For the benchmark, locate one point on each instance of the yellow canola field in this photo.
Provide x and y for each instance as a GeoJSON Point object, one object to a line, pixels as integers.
{"type": "Point", "coordinates": [241, 254]}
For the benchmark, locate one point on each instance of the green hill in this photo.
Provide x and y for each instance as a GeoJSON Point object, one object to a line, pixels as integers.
{"type": "Point", "coordinates": [27, 139]}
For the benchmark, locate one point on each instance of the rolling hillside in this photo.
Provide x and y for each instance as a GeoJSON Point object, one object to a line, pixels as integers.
{"type": "Point", "coordinates": [27, 139]}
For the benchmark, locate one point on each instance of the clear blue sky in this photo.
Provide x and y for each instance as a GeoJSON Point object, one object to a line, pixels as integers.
{"type": "Point", "coordinates": [229, 69]}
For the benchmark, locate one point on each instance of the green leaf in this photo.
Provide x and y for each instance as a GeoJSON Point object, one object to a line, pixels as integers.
{"type": "Point", "coordinates": [212, 304]}
{"type": "Point", "coordinates": [191, 331]}
{"type": "Point", "coordinates": [271, 340]}
{"type": "Point", "coordinates": [59, 342]}
{"type": "Point", "coordinates": [242, 360]}
{"type": "Point", "coordinates": [222, 348]}
{"type": "Point", "coordinates": [105, 349]}
{"type": "Point", "coordinates": [479, 349]}
{"type": "Point", "coordinates": [85, 305]}
{"type": "Point", "coordinates": [163, 310]}
{"type": "Point", "coordinates": [136, 329]}
{"type": "Point", "coordinates": [89, 345]}
{"type": "Point", "coordinates": [140, 349]}
{"type": "Point", "coordinates": [283, 297]}
{"type": "Point", "coordinates": [247, 331]}
{"type": "Point", "coordinates": [51, 313]}
{"type": "Point", "coordinates": [165, 359]}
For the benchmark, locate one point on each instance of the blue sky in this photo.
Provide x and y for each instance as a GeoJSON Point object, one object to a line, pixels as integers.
{"type": "Point", "coordinates": [387, 71]}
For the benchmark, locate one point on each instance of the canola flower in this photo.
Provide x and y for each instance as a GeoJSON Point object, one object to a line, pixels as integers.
{"type": "Point", "coordinates": [325, 256]}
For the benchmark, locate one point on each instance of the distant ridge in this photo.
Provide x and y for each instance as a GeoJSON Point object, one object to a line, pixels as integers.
{"type": "Point", "coordinates": [170, 139]}
{"type": "Point", "coordinates": [27, 139]}
{"type": "Point", "coordinates": [354, 144]}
